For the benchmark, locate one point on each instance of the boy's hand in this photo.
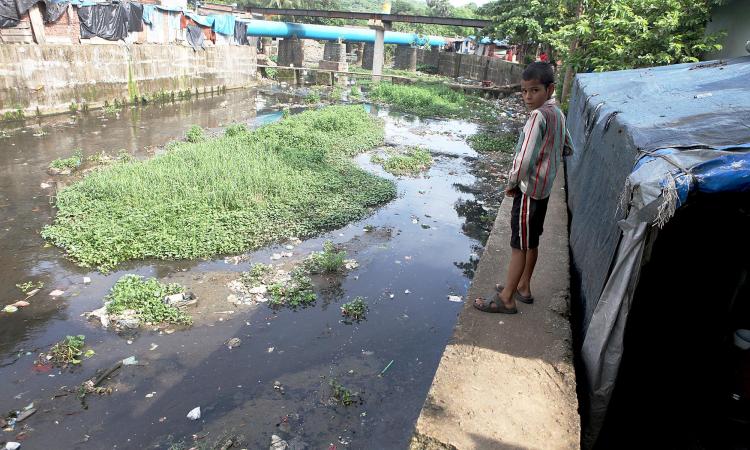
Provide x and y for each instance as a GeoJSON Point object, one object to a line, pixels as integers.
{"type": "Point", "coordinates": [511, 192]}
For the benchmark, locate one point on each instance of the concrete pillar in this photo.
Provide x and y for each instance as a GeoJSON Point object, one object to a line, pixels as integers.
{"type": "Point", "coordinates": [378, 55]}
{"type": "Point", "coordinates": [291, 53]}
{"type": "Point", "coordinates": [405, 58]}
{"type": "Point", "coordinates": [367, 56]}
{"type": "Point", "coordinates": [334, 57]}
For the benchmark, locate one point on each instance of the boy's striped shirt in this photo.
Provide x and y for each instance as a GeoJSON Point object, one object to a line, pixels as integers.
{"type": "Point", "coordinates": [539, 151]}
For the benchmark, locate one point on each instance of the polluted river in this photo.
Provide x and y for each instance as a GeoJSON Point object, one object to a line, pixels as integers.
{"type": "Point", "coordinates": [304, 377]}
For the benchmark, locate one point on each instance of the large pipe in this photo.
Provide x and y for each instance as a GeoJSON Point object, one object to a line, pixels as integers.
{"type": "Point", "coordinates": [266, 28]}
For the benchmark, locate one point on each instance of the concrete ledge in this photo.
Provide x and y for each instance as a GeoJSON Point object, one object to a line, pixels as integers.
{"type": "Point", "coordinates": [507, 381]}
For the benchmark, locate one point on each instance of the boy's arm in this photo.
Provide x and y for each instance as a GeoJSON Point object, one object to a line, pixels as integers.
{"type": "Point", "coordinates": [568, 146]}
{"type": "Point", "coordinates": [533, 132]}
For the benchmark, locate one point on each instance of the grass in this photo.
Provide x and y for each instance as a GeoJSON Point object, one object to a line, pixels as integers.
{"type": "Point", "coordinates": [414, 161]}
{"type": "Point", "coordinates": [258, 274]}
{"type": "Point", "coordinates": [354, 92]}
{"type": "Point", "coordinates": [145, 296]}
{"type": "Point", "coordinates": [432, 100]}
{"type": "Point", "coordinates": [71, 163]}
{"type": "Point", "coordinates": [490, 142]}
{"type": "Point", "coordinates": [224, 195]}
{"type": "Point", "coordinates": [312, 97]}
{"type": "Point", "coordinates": [355, 309]}
{"type": "Point", "coordinates": [330, 260]}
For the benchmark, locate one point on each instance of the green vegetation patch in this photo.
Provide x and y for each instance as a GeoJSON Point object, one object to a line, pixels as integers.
{"type": "Point", "coordinates": [433, 100]}
{"type": "Point", "coordinates": [413, 162]}
{"type": "Point", "coordinates": [293, 292]}
{"type": "Point", "coordinates": [146, 297]}
{"type": "Point", "coordinates": [491, 142]}
{"type": "Point", "coordinates": [342, 395]}
{"type": "Point", "coordinates": [225, 195]}
{"type": "Point", "coordinates": [71, 163]}
{"type": "Point", "coordinates": [67, 352]}
{"type": "Point", "coordinates": [355, 309]}
{"type": "Point", "coordinates": [330, 260]}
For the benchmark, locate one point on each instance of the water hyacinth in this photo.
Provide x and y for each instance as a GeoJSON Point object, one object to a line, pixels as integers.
{"type": "Point", "coordinates": [225, 195]}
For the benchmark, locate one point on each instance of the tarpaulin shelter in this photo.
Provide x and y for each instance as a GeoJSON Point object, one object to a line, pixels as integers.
{"type": "Point", "coordinates": [658, 196]}
{"type": "Point", "coordinates": [11, 11]}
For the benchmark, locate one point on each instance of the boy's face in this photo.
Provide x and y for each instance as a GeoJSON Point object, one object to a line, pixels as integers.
{"type": "Point", "coordinates": [535, 93]}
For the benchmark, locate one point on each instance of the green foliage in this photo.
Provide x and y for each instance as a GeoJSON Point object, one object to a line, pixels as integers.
{"type": "Point", "coordinates": [491, 142]}
{"type": "Point", "coordinates": [355, 309]}
{"type": "Point", "coordinates": [342, 395]}
{"type": "Point", "coordinates": [29, 286]}
{"type": "Point", "coordinates": [354, 92]}
{"type": "Point", "coordinates": [71, 163]}
{"type": "Point", "coordinates": [431, 100]}
{"type": "Point", "coordinates": [224, 195]}
{"type": "Point", "coordinates": [68, 351]}
{"type": "Point", "coordinates": [195, 134]}
{"type": "Point", "coordinates": [235, 129]}
{"type": "Point", "coordinates": [610, 34]}
{"type": "Point", "coordinates": [73, 107]}
{"type": "Point", "coordinates": [336, 93]}
{"type": "Point", "coordinates": [258, 274]}
{"type": "Point", "coordinates": [428, 69]}
{"type": "Point", "coordinates": [293, 293]}
{"type": "Point", "coordinates": [113, 109]}
{"type": "Point", "coordinates": [414, 161]}
{"type": "Point", "coordinates": [312, 96]}
{"type": "Point", "coordinates": [146, 297]}
{"type": "Point", "coordinates": [330, 260]}
{"type": "Point", "coordinates": [14, 115]}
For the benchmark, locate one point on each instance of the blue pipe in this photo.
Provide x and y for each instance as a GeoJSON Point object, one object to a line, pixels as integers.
{"type": "Point", "coordinates": [267, 28]}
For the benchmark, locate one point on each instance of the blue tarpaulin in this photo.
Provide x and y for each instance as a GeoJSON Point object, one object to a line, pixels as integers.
{"type": "Point", "coordinates": [223, 23]}
{"type": "Point", "coordinates": [206, 21]}
{"type": "Point", "coordinates": [647, 142]}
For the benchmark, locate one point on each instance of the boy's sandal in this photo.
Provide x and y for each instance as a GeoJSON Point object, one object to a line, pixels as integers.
{"type": "Point", "coordinates": [517, 295]}
{"type": "Point", "coordinates": [493, 306]}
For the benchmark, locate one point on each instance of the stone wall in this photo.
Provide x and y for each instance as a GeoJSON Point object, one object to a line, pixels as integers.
{"type": "Point", "coordinates": [291, 52]}
{"type": "Point", "coordinates": [49, 78]}
{"type": "Point", "coordinates": [473, 67]}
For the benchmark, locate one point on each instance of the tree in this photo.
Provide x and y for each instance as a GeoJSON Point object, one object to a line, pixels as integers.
{"type": "Point", "coordinates": [439, 8]}
{"type": "Point", "coordinates": [600, 35]}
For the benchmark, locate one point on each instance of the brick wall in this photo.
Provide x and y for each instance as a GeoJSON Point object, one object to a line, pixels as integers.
{"type": "Point", "coordinates": [66, 30]}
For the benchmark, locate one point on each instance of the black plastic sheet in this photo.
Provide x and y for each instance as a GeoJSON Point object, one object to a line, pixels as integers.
{"type": "Point", "coordinates": [105, 21]}
{"type": "Point", "coordinates": [135, 16]}
{"type": "Point", "coordinates": [53, 11]}
{"type": "Point", "coordinates": [240, 33]}
{"type": "Point", "coordinates": [195, 36]}
{"type": "Point", "coordinates": [9, 16]}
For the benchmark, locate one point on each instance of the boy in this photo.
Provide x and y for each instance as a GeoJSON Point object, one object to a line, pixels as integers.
{"type": "Point", "coordinates": [538, 155]}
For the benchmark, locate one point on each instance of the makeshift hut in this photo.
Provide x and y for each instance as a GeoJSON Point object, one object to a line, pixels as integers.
{"type": "Point", "coordinates": [659, 200]}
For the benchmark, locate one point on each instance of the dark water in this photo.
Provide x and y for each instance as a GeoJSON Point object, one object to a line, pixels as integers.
{"type": "Point", "coordinates": [428, 242]}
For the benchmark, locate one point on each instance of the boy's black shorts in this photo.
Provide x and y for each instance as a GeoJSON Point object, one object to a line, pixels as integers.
{"type": "Point", "coordinates": [527, 221]}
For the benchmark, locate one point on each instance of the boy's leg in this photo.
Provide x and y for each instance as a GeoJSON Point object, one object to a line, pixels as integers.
{"type": "Point", "coordinates": [516, 269]}
{"type": "Point", "coordinates": [524, 284]}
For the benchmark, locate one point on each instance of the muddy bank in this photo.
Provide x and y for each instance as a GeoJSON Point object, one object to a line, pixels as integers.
{"type": "Point", "coordinates": [436, 230]}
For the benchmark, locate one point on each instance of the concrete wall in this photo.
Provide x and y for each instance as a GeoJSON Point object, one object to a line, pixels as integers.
{"type": "Point", "coordinates": [405, 58]}
{"type": "Point", "coordinates": [734, 19]}
{"type": "Point", "coordinates": [367, 56]}
{"type": "Point", "coordinates": [474, 67]}
{"type": "Point", "coordinates": [48, 78]}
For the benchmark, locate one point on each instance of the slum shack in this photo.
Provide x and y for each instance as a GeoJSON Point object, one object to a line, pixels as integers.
{"type": "Point", "coordinates": [659, 200]}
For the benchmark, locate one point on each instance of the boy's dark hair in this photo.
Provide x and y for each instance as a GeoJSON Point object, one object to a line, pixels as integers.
{"type": "Point", "coordinates": [541, 71]}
